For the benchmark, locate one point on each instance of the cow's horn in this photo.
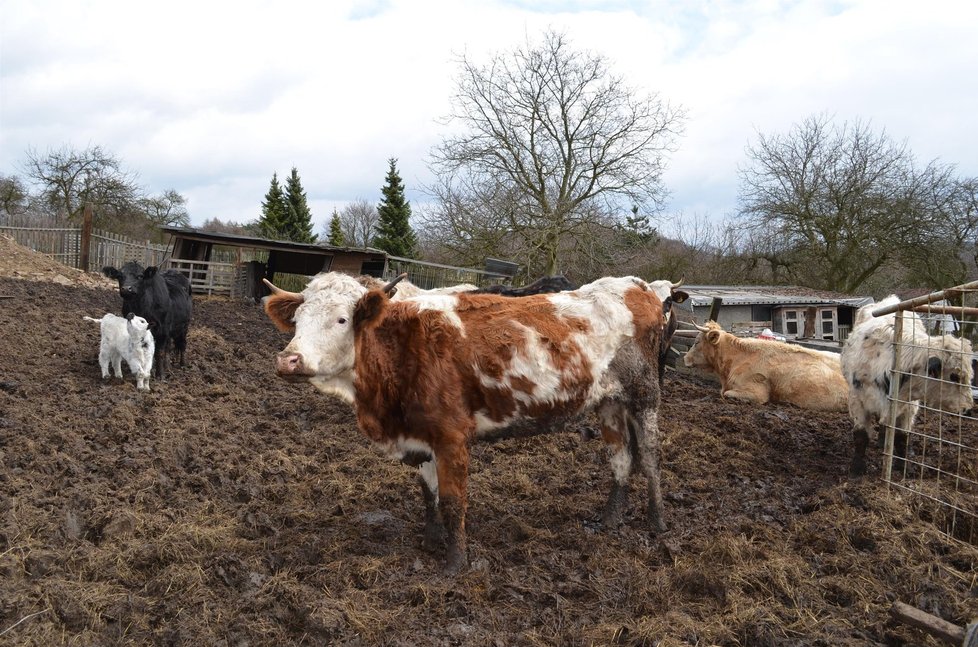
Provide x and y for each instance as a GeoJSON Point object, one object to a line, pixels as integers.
{"type": "Point", "coordinates": [388, 289]}
{"type": "Point", "coordinates": [681, 281]}
{"type": "Point", "coordinates": [701, 328]}
{"type": "Point", "coordinates": [279, 291]}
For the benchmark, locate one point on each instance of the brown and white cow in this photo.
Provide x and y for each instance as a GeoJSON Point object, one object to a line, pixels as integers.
{"type": "Point", "coordinates": [428, 375]}
{"type": "Point", "coordinates": [761, 371]}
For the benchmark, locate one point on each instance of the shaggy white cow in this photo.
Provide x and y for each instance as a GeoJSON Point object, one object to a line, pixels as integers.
{"type": "Point", "coordinates": [933, 370]}
{"type": "Point", "coordinates": [126, 338]}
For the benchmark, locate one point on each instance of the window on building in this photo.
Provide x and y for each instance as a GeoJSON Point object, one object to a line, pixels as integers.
{"type": "Point", "coordinates": [791, 322]}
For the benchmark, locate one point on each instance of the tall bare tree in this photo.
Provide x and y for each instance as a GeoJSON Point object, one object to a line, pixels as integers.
{"type": "Point", "coordinates": [69, 179]}
{"type": "Point", "coordinates": [167, 209]}
{"type": "Point", "coordinates": [566, 142]}
{"type": "Point", "coordinates": [358, 220]}
{"type": "Point", "coordinates": [832, 205]}
{"type": "Point", "coordinates": [945, 252]}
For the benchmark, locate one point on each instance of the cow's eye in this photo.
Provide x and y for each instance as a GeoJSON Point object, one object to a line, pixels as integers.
{"type": "Point", "coordinates": [341, 320]}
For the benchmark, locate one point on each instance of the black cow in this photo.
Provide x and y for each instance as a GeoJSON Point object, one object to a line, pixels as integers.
{"type": "Point", "coordinates": [161, 298]}
{"type": "Point", "coordinates": [543, 285]}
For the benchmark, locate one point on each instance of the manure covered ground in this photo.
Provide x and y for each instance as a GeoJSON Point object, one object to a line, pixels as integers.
{"type": "Point", "coordinates": [228, 507]}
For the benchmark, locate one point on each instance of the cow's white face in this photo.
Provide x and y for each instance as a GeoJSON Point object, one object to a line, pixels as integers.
{"type": "Point", "coordinates": [322, 348]}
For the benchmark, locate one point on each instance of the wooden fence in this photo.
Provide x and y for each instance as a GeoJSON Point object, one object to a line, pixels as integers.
{"type": "Point", "coordinates": [64, 244]}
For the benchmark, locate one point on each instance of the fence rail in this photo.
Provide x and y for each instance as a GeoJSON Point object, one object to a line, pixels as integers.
{"type": "Point", "coordinates": [207, 277]}
{"type": "Point", "coordinates": [64, 245]}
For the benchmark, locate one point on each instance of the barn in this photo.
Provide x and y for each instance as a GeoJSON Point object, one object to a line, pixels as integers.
{"type": "Point", "coordinates": [231, 264]}
{"type": "Point", "coordinates": [797, 313]}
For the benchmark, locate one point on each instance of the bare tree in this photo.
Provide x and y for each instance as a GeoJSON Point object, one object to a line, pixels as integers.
{"type": "Point", "coordinates": [14, 198]}
{"type": "Point", "coordinates": [167, 209]}
{"type": "Point", "coordinates": [358, 220]}
{"type": "Point", "coordinates": [944, 253]}
{"type": "Point", "coordinates": [217, 225]}
{"type": "Point", "coordinates": [559, 136]}
{"type": "Point", "coordinates": [69, 179]}
{"type": "Point", "coordinates": [830, 206]}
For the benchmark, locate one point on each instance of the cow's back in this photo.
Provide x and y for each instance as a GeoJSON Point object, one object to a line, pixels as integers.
{"type": "Point", "coordinates": [501, 359]}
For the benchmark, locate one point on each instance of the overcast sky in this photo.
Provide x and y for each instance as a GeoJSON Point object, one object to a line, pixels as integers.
{"type": "Point", "coordinates": [210, 98]}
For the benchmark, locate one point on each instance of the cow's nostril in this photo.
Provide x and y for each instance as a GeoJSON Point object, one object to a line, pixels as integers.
{"type": "Point", "coordinates": [288, 364]}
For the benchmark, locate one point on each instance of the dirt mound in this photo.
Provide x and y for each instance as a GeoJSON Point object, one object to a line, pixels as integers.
{"type": "Point", "coordinates": [227, 507]}
{"type": "Point", "coordinates": [17, 261]}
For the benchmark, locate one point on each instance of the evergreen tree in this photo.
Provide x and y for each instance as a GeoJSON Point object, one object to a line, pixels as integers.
{"type": "Point", "coordinates": [298, 216]}
{"type": "Point", "coordinates": [336, 237]}
{"type": "Point", "coordinates": [394, 233]}
{"type": "Point", "coordinates": [274, 213]}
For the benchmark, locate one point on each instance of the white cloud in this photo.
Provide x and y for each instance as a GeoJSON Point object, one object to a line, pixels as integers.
{"type": "Point", "coordinates": [211, 98]}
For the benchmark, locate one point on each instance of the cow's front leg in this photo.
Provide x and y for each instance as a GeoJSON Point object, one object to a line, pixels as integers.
{"type": "Point", "coordinates": [860, 439]}
{"type": "Point", "coordinates": [452, 467]}
{"type": "Point", "coordinates": [434, 530]}
{"type": "Point", "coordinates": [744, 395]}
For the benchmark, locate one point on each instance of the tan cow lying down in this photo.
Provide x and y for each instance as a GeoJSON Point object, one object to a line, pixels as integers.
{"type": "Point", "coordinates": [759, 370]}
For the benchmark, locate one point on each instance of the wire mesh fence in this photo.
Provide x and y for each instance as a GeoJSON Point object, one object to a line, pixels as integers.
{"type": "Point", "coordinates": [931, 433]}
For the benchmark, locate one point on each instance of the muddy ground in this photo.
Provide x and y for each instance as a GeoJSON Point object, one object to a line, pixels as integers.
{"type": "Point", "coordinates": [228, 507]}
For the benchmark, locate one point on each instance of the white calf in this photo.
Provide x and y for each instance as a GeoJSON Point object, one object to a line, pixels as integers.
{"type": "Point", "coordinates": [126, 338]}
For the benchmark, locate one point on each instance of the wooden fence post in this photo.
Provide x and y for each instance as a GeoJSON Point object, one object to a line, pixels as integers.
{"type": "Point", "coordinates": [86, 238]}
{"type": "Point", "coordinates": [715, 309]}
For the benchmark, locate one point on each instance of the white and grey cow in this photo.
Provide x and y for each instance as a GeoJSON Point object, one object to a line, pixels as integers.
{"type": "Point", "coordinates": [933, 370]}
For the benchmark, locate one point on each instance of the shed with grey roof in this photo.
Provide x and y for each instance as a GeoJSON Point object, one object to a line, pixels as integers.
{"type": "Point", "coordinates": [795, 312]}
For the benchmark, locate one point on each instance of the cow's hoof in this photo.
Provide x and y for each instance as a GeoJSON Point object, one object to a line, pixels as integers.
{"type": "Point", "coordinates": [455, 563]}
{"type": "Point", "coordinates": [657, 525]}
{"type": "Point", "coordinates": [611, 518]}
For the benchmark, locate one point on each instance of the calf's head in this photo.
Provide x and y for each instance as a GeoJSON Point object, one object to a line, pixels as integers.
{"type": "Point", "coordinates": [137, 326]}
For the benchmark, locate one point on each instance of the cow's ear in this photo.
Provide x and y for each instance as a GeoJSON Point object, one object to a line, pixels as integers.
{"type": "Point", "coordinates": [934, 367]}
{"type": "Point", "coordinates": [130, 316]}
{"type": "Point", "coordinates": [713, 336]}
{"type": "Point", "coordinates": [149, 272]}
{"type": "Point", "coordinates": [369, 308]}
{"type": "Point", "coordinates": [281, 308]}
{"type": "Point", "coordinates": [679, 296]}
{"type": "Point", "coordinates": [111, 272]}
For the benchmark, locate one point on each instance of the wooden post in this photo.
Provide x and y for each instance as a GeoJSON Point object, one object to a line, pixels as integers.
{"type": "Point", "coordinates": [937, 627]}
{"type": "Point", "coordinates": [811, 320]}
{"type": "Point", "coordinates": [715, 309]}
{"type": "Point", "coordinates": [86, 238]}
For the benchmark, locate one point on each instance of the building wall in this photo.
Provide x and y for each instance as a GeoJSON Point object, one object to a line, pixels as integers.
{"type": "Point", "coordinates": [729, 315]}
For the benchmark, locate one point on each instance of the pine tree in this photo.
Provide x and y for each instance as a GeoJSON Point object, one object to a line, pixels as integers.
{"type": "Point", "coordinates": [298, 215]}
{"type": "Point", "coordinates": [274, 214]}
{"type": "Point", "coordinates": [394, 233]}
{"type": "Point", "coordinates": [336, 237]}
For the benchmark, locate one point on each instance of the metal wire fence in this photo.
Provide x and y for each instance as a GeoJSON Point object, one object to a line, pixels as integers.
{"type": "Point", "coordinates": [940, 469]}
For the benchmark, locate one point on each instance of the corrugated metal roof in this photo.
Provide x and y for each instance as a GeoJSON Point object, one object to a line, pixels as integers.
{"type": "Point", "coordinates": [703, 295]}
